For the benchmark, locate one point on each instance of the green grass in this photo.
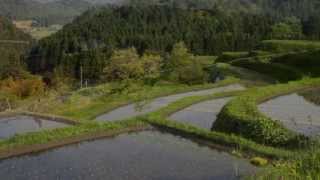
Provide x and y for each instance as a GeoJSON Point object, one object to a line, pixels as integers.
{"type": "Point", "coordinates": [229, 56]}
{"type": "Point", "coordinates": [242, 117]}
{"type": "Point", "coordinates": [289, 45]}
{"type": "Point", "coordinates": [61, 134]}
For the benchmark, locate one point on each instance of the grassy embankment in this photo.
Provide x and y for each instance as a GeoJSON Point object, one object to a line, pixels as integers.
{"type": "Point", "coordinates": [242, 117]}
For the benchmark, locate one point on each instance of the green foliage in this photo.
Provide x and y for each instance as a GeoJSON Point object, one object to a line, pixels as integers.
{"type": "Point", "coordinates": [241, 116]}
{"type": "Point", "coordinates": [290, 28]}
{"type": "Point", "coordinates": [155, 28]}
{"type": "Point", "coordinates": [258, 161]}
{"type": "Point", "coordinates": [184, 67]}
{"type": "Point", "coordinates": [126, 64]}
{"type": "Point", "coordinates": [289, 45]}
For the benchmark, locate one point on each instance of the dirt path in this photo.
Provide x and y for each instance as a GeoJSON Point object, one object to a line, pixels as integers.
{"type": "Point", "coordinates": [131, 110]}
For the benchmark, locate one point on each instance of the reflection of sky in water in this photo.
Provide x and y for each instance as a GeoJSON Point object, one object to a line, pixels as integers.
{"type": "Point", "coordinates": [23, 124]}
{"type": "Point", "coordinates": [202, 114]}
{"type": "Point", "coordinates": [130, 110]}
{"type": "Point", "coordinates": [137, 156]}
{"type": "Point", "coordinates": [295, 112]}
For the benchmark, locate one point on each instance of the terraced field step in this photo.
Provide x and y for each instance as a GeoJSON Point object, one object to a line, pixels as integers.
{"type": "Point", "coordinates": [135, 156]}
{"type": "Point", "coordinates": [131, 110]}
{"type": "Point", "coordinates": [20, 124]}
{"type": "Point", "coordinates": [202, 114]}
{"type": "Point", "coordinates": [294, 112]}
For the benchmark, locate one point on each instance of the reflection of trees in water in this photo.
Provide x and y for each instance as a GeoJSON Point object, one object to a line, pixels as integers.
{"type": "Point", "coordinates": [312, 96]}
{"type": "Point", "coordinates": [38, 121]}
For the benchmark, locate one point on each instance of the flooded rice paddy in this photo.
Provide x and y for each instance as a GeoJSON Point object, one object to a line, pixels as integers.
{"type": "Point", "coordinates": [136, 156]}
{"type": "Point", "coordinates": [131, 110]}
{"type": "Point", "coordinates": [295, 112]}
{"type": "Point", "coordinates": [202, 114]}
{"type": "Point", "coordinates": [9, 126]}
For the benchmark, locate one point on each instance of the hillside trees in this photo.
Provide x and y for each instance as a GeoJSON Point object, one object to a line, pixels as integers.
{"type": "Point", "coordinates": [183, 66]}
{"type": "Point", "coordinates": [127, 64]}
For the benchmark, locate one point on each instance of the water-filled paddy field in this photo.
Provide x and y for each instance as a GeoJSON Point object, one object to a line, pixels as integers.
{"type": "Point", "coordinates": [10, 126]}
{"type": "Point", "coordinates": [298, 111]}
{"type": "Point", "coordinates": [131, 110]}
{"type": "Point", "coordinates": [136, 156]}
{"type": "Point", "coordinates": [202, 114]}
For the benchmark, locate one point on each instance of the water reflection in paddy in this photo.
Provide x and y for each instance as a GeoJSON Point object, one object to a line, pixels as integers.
{"type": "Point", "coordinates": [10, 126]}
{"type": "Point", "coordinates": [202, 114]}
{"type": "Point", "coordinates": [131, 110]}
{"type": "Point", "coordinates": [295, 112]}
{"type": "Point", "coordinates": [139, 156]}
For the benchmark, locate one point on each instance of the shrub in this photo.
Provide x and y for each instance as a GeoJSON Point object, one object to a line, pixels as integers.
{"type": "Point", "coordinates": [184, 67]}
{"type": "Point", "coordinates": [23, 87]}
{"type": "Point", "coordinates": [258, 161]}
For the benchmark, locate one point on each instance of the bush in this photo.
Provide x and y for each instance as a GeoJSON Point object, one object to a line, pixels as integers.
{"type": "Point", "coordinates": [23, 88]}
{"type": "Point", "coordinates": [184, 67]}
{"type": "Point", "coordinates": [258, 161]}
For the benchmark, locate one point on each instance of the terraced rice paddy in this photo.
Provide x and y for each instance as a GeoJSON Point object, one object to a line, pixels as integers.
{"type": "Point", "coordinates": [9, 126]}
{"type": "Point", "coordinates": [136, 156]}
{"type": "Point", "coordinates": [131, 110]}
{"type": "Point", "coordinates": [295, 112]}
{"type": "Point", "coordinates": [202, 114]}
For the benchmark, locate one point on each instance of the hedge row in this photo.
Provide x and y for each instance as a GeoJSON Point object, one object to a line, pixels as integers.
{"type": "Point", "coordinates": [289, 45]}
{"type": "Point", "coordinates": [242, 117]}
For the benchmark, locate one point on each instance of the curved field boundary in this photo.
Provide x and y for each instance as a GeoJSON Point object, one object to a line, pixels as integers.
{"type": "Point", "coordinates": [38, 115]}
{"type": "Point", "coordinates": [130, 110]}
{"type": "Point", "coordinates": [242, 117]}
{"type": "Point", "coordinates": [220, 140]}
{"type": "Point", "coordinates": [13, 42]}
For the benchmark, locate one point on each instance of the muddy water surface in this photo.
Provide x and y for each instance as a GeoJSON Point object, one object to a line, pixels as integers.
{"type": "Point", "coordinates": [23, 124]}
{"type": "Point", "coordinates": [138, 156]}
{"type": "Point", "coordinates": [202, 114]}
{"type": "Point", "coordinates": [131, 110]}
{"type": "Point", "coordinates": [295, 112]}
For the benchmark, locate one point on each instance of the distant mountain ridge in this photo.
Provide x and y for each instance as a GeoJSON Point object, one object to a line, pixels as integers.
{"type": "Point", "coordinates": [60, 11]}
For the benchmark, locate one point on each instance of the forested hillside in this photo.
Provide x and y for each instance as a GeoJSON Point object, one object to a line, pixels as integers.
{"type": "Point", "coordinates": [157, 28]}
{"type": "Point", "coordinates": [13, 42]}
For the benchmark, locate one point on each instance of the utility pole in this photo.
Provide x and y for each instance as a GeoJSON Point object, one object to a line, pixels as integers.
{"type": "Point", "coordinates": [81, 77]}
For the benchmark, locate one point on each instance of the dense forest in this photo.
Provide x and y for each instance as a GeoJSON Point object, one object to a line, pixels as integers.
{"type": "Point", "coordinates": [157, 27]}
